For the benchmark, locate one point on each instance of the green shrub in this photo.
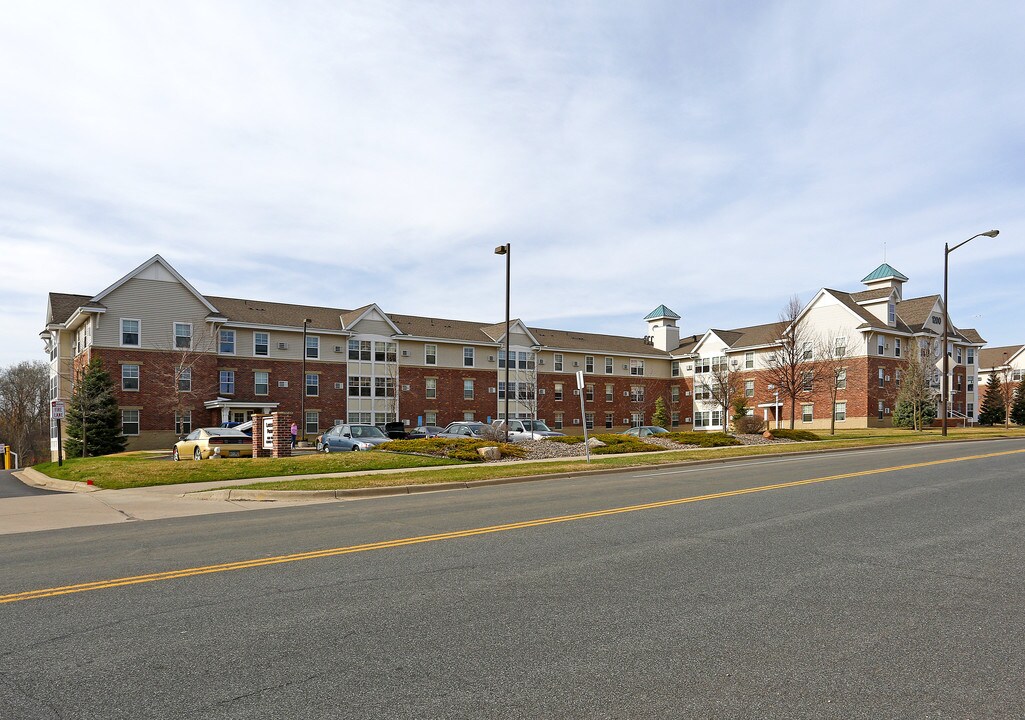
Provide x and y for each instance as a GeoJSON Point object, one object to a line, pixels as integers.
{"type": "Point", "coordinates": [616, 444]}
{"type": "Point", "coordinates": [702, 439]}
{"type": "Point", "coordinates": [567, 439]}
{"type": "Point", "coordinates": [795, 434]}
{"type": "Point", "coordinates": [455, 448]}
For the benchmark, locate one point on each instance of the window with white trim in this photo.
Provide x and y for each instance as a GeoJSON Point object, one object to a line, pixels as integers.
{"type": "Point", "coordinates": [675, 369]}
{"type": "Point", "coordinates": [840, 411]}
{"type": "Point", "coordinates": [609, 369]}
{"type": "Point", "coordinates": [881, 344]}
{"type": "Point", "coordinates": [881, 410]}
{"type": "Point", "coordinates": [589, 393]}
{"type": "Point", "coordinates": [226, 342]}
{"type": "Point", "coordinates": [129, 422]}
{"type": "Point", "coordinates": [589, 363]}
{"type": "Point", "coordinates": [430, 418]}
{"type": "Point", "coordinates": [841, 379]}
{"type": "Point", "coordinates": [130, 335]}
{"type": "Point", "coordinates": [637, 393]}
{"type": "Point", "coordinates": [312, 385]}
{"type": "Point", "coordinates": [261, 382]}
{"type": "Point", "coordinates": [261, 344]}
{"type": "Point", "coordinates": [360, 386]}
{"type": "Point", "coordinates": [185, 380]}
{"type": "Point", "coordinates": [674, 419]}
{"type": "Point", "coordinates": [182, 422]}
{"type": "Point", "coordinates": [636, 366]}
{"type": "Point", "coordinates": [807, 412]}
{"type": "Point", "coordinates": [971, 356]}
{"type": "Point", "coordinates": [385, 352]}
{"type": "Point", "coordinates": [130, 378]}
{"type": "Point", "coordinates": [430, 354]}
{"type": "Point", "coordinates": [182, 336]}
{"type": "Point", "coordinates": [384, 387]}
{"type": "Point", "coordinates": [431, 388]}
{"type": "Point", "coordinates": [557, 362]}
{"type": "Point", "coordinates": [359, 350]}
{"type": "Point", "coordinates": [359, 418]}
{"type": "Point", "coordinates": [609, 420]}
{"type": "Point", "coordinates": [808, 353]}
{"type": "Point", "coordinates": [610, 392]}
{"type": "Point", "coordinates": [227, 382]}
{"type": "Point", "coordinates": [896, 347]}
{"type": "Point", "coordinates": [468, 416]}
{"type": "Point", "coordinates": [312, 347]}
{"type": "Point", "coordinates": [467, 357]}
{"type": "Point", "coordinates": [589, 420]}
{"type": "Point", "coordinates": [882, 381]}
{"type": "Point", "coordinates": [557, 392]}
{"type": "Point", "coordinates": [749, 388]}
{"type": "Point", "coordinates": [674, 394]}
{"type": "Point", "coordinates": [467, 389]}
{"type": "Point", "coordinates": [557, 422]}
{"type": "Point", "coordinates": [749, 360]}
{"type": "Point", "coordinates": [312, 422]}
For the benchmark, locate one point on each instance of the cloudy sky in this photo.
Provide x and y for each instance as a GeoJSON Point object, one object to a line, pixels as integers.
{"type": "Point", "coordinates": [716, 157]}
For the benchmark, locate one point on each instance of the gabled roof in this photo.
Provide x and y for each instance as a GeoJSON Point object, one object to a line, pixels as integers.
{"type": "Point", "coordinates": [573, 340]}
{"type": "Point", "coordinates": [497, 331]}
{"type": "Point", "coordinates": [884, 272]}
{"type": "Point", "coordinates": [61, 306]}
{"type": "Point", "coordinates": [259, 312]}
{"type": "Point", "coordinates": [998, 356]}
{"type": "Point", "coordinates": [869, 321]}
{"type": "Point", "coordinates": [876, 294]}
{"type": "Point", "coordinates": [157, 260]}
{"type": "Point", "coordinates": [350, 319]}
{"type": "Point", "coordinates": [660, 313]}
{"type": "Point", "coordinates": [915, 312]}
{"type": "Point", "coordinates": [972, 335]}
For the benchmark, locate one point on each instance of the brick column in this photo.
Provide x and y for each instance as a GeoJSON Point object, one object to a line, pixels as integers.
{"type": "Point", "coordinates": [282, 435]}
{"type": "Point", "coordinates": [258, 447]}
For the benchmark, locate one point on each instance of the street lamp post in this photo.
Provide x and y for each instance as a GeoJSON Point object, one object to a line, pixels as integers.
{"type": "Point", "coordinates": [945, 392]}
{"type": "Point", "coordinates": [302, 385]}
{"type": "Point", "coordinates": [507, 251]}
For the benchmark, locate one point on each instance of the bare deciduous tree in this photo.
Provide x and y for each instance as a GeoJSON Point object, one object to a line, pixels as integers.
{"type": "Point", "coordinates": [833, 356]}
{"type": "Point", "coordinates": [725, 385]}
{"type": "Point", "coordinates": [25, 410]}
{"type": "Point", "coordinates": [791, 365]}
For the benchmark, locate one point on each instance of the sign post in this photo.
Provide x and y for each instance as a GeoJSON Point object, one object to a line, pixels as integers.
{"type": "Point", "coordinates": [57, 413]}
{"type": "Point", "coordinates": [583, 417]}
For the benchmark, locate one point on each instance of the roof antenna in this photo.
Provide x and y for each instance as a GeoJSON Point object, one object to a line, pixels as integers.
{"type": "Point", "coordinates": [884, 251]}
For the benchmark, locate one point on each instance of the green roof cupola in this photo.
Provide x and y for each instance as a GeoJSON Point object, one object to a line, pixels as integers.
{"type": "Point", "coordinates": [886, 276]}
{"type": "Point", "coordinates": [662, 329]}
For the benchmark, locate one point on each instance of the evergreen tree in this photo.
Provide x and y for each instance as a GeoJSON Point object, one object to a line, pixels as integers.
{"type": "Point", "coordinates": [912, 416]}
{"type": "Point", "coordinates": [661, 415]}
{"type": "Point", "coordinates": [993, 410]}
{"type": "Point", "coordinates": [93, 421]}
{"type": "Point", "coordinates": [1018, 408]}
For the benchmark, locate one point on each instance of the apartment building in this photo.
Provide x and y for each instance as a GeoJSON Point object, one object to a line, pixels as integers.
{"type": "Point", "coordinates": [182, 359]}
{"type": "Point", "coordinates": [1006, 362]}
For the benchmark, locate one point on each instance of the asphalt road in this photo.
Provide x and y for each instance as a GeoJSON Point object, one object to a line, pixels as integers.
{"type": "Point", "coordinates": [11, 486]}
{"type": "Point", "coordinates": [869, 595]}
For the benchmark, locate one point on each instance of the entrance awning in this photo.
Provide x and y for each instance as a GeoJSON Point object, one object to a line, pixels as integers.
{"type": "Point", "coordinates": [225, 404]}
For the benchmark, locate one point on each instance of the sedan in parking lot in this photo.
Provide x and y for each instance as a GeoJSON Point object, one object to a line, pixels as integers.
{"type": "Point", "coordinates": [351, 437]}
{"type": "Point", "coordinates": [465, 430]}
{"type": "Point", "coordinates": [206, 443]}
{"type": "Point", "coordinates": [424, 431]}
{"type": "Point", "coordinates": [645, 431]}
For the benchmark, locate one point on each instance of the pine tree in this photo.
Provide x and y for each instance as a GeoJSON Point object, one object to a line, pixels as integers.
{"type": "Point", "coordinates": [1018, 408]}
{"type": "Point", "coordinates": [93, 421]}
{"type": "Point", "coordinates": [993, 407]}
{"type": "Point", "coordinates": [661, 415]}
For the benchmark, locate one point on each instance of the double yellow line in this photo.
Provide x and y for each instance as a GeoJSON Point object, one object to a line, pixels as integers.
{"type": "Point", "coordinates": [384, 545]}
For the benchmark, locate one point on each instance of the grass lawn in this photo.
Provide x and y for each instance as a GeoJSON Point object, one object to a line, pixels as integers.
{"type": "Point", "coordinates": [128, 470]}
{"type": "Point", "coordinates": [140, 469]}
{"type": "Point", "coordinates": [846, 439]}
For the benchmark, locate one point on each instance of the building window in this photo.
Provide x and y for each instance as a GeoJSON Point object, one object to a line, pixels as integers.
{"type": "Point", "coordinates": [589, 363]}
{"type": "Point", "coordinates": [608, 366]}
{"type": "Point", "coordinates": [312, 385]}
{"type": "Point", "coordinates": [467, 389]}
{"type": "Point", "coordinates": [129, 422]}
{"type": "Point", "coordinates": [675, 369]}
{"type": "Point", "coordinates": [881, 409]}
{"type": "Point", "coordinates": [971, 383]}
{"type": "Point", "coordinates": [384, 387]}
{"type": "Point", "coordinates": [959, 355]}
{"type": "Point", "coordinates": [841, 379]}
{"type": "Point", "coordinates": [674, 394]}
{"type": "Point", "coordinates": [716, 418]}
{"type": "Point", "coordinates": [806, 412]}
{"type": "Point", "coordinates": [891, 314]}
{"type": "Point", "coordinates": [312, 422]}
{"type": "Point", "coordinates": [182, 336]}
{"type": "Point", "coordinates": [360, 386]}
{"type": "Point", "coordinates": [185, 380]}
{"type": "Point", "coordinates": [882, 382]}
{"type": "Point", "coordinates": [637, 393]}
{"type": "Point", "coordinates": [896, 378]}
{"type": "Point", "coordinates": [226, 342]}
{"type": "Point", "coordinates": [589, 393]}
{"type": "Point", "coordinates": [589, 420]}
{"type": "Point", "coordinates": [806, 381]}
{"type": "Point", "coordinates": [182, 422]}
{"type": "Point", "coordinates": [749, 360]}
{"type": "Point", "coordinates": [749, 388]}
{"type": "Point", "coordinates": [385, 352]}
{"type": "Point", "coordinates": [227, 382]}
{"type": "Point", "coordinates": [610, 392]}
{"type": "Point", "coordinates": [970, 409]}
{"type": "Point", "coordinates": [674, 419]}
{"type": "Point", "coordinates": [129, 333]}
{"type": "Point", "coordinates": [880, 344]}
{"type": "Point", "coordinates": [430, 418]}
{"type": "Point", "coordinates": [130, 377]}
{"type": "Point", "coordinates": [896, 348]}
{"type": "Point", "coordinates": [636, 419]}
{"type": "Point", "coordinates": [557, 422]}
{"type": "Point", "coordinates": [609, 420]}
{"type": "Point", "coordinates": [808, 353]}
{"type": "Point", "coordinates": [840, 411]}
{"type": "Point", "coordinates": [359, 350]}
{"type": "Point", "coordinates": [261, 343]}
{"type": "Point", "coordinates": [359, 418]}
{"type": "Point", "coordinates": [702, 365]}
{"type": "Point", "coordinates": [636, 366]}
{"type": "Point", "coordinates": [431, 389]}
{"type": "Point", "coordinates": [467, 357]}
{"type": "Point", "coordinates": [557, 362]}
{"type": "Point", "coordinates": [702, 419]}
{"type": "Point", "coordinates": [261, 383]}
{"type": "Point", "coordinates": [312, 347]}
{"type": "Point", "coordinates": [971, 356]}
{"type": "Point", "coordinates": [430, 354]}
{"type": "Point", "coordinates": [468, 416]}
{"type": "Point", "coordinates": [558, 391]}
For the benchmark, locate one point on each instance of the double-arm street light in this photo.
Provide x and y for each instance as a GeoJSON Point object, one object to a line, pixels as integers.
{"type": "Point", "coordinates": [506, 250]}
{"type": "Point", "coordinates": [945, 400]}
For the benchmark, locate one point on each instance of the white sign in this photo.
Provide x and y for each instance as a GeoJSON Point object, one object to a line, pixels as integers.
{"type": "Point", "coordinates": [268, 433]}
{"type": "Point", "coordinates": [580, 379]}
{"type": "Point", "coordinates": [57, 409]}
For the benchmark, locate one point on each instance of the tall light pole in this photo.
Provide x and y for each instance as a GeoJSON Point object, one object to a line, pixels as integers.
{"type": "Point", "coordinates": [507, 251]}
{"type": "Point", "coordinates": [945, 399]}
{"type": "Point", "coordinates": [302, 385]}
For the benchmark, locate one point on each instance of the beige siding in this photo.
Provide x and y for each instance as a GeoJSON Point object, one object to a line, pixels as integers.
{"type": "Point", "coordinates": [158, 305]}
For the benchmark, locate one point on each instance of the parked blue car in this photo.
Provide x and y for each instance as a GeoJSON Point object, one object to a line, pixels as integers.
{"type": "Point", "coordinates": [350, 437]}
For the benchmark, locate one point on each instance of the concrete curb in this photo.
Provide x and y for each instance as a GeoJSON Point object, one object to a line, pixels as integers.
{"type": "Point", "coordinates": [31, 476]}
{"type": "Point", "coordinates": [356, 493]}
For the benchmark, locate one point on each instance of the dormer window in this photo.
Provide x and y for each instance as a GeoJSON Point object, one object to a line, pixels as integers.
{"type": "Point", "coordinates": [891, 313]}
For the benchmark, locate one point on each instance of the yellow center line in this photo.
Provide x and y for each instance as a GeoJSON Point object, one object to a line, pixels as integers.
{"type": "Point", "coordinates": [456, 534]}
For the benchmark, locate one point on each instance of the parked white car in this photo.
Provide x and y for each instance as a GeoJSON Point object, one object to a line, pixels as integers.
{"type": "Point", "coordinates": [523, 430]}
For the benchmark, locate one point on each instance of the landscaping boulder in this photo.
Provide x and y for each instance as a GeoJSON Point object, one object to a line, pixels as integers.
{"type": "Point", "coordinates": [768, 435]}
{"type": "Point", "coordinates": [594, 443]}
{"type": "Point", "coordinates": [490, 453]}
